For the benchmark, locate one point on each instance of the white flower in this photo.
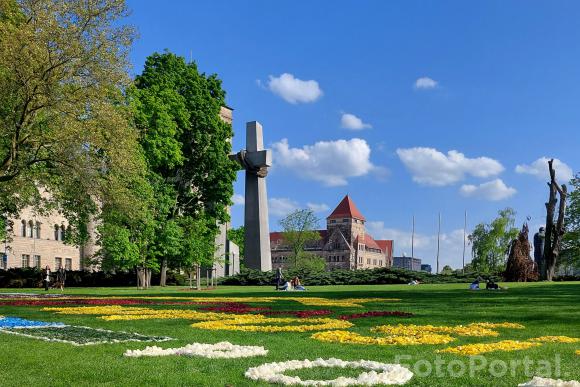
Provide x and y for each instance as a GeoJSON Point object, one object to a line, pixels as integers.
{"type": "Point", "coordinates": [223, 350]}
{"type": "Point", "coordinates": [388, 373]}
{"type": "Point", "coordinates": [538, 382]}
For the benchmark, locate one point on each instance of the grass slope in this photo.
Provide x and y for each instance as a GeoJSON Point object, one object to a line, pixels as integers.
{"type": "Point", "coordinates": [545, 309]}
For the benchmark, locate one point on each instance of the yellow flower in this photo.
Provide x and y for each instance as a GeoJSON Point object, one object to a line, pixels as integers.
{"type": "Point", "coordinates": [355, 338]}
{"type": "Point", "coordinates": [258, 323]}
{"type": "Point", "coordinates": [499, 325]}
{"type": "Point", "coordinates": [415, 329]}
{"type": "Point", "coordinates": [578, 352]}
{"type": "Point", "coordinates": [476, 349]}
{"type": "Point", "coordinates": [556, 339]}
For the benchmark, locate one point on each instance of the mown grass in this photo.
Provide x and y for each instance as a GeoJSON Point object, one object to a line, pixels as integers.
{"type": "Point", "coordinates": [545, 309]}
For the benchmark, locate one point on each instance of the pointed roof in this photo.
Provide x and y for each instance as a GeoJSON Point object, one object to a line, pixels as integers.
{"type": "Point", "coordinates": [346, 209]}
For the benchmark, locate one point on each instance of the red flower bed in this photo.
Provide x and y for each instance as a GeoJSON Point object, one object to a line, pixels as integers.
{"type": "Point", "coordinates": [77, 301]}
{"type": "Point", "coordinates": [375, 314]}
{"type": "Point", "coordinates": [233, 307]}
{"type": "Point", "coordinates": [300, 313]}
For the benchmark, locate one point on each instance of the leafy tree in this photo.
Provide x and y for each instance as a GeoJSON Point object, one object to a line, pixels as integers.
{"type": "Point", "coordinates": [237, 235]}
{"type": "Point", "coordinates": [570, 255]}
{"type": "Point", "coordinates": [491, 241]}
{"type": "Point", "coordinates": [186, 146]}
{"type": "Point", "coordinates": [447, 270]}
{"type": "Point", "coordinates": [310, 262]}
{"type": "Point", "coordinates": [64, 125]}
{"type": "Point", "coordinates": [299, 229]}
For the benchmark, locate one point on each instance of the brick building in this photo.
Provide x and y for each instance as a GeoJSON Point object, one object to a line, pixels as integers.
{"type": "Point", "coordinates": [344, 244]}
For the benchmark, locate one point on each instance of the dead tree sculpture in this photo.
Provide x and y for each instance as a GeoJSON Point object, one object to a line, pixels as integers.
{"type": "Point", "coordinates": [554, 232]}
{"type": "Point", "coordinates": [520, 266]}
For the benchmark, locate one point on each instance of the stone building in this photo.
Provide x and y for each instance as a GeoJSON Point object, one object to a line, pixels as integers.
{"type": "Point", "coordinates": [345, 244]}
{"type": "Point", "coordinates": [38, 241]}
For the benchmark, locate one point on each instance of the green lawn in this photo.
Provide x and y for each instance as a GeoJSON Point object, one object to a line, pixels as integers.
{"type": "Point", "coordinates": [544, 309]}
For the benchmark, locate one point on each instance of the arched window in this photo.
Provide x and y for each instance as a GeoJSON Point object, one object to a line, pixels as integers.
{"type": "Point", "coordinates": [23, 228]}
{"type": "Point", "coordinates": [37, 230]}
{"type": "Point", "coordinates": [56, 229]}
{"type": "Point", "coordinates": [62, 232]}
{"type": "Point", "coordinates": [30, 229]}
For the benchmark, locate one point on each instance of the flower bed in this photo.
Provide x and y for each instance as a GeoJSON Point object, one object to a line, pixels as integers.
{"type": "Point", "coordinates": [299, 313]}
{"type": "Point", "coordinates": [15, 322]}
{"type": "Point", "coordinates": [375, 314]}
{"type": "Point", "coordinates": [555, 339]}
{"type": "Point", "coordinates": [81, 335]}
{"type": "Point", "coordinates": [538, 381]}
{"type": "Point", "coordinates": [475, 329]}
{"type": "Point", "coordinates": [476, 349]}
{"type": "Point", "coordinates": [234, 307]}
{"type": "Point", "coordinates": [380, 373]}
{"type": "Point", "coordinates": [356, 338]}
{"type": "Point", "coordinates": [223, 350]}
{"type": "Point", "coordinates": [258, 323]}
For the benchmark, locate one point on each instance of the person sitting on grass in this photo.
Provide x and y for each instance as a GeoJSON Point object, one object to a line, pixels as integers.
{"type": "Point", "coordinates": [287, 286]}
{"type": "Point", "coordinates": [474, 285]}
{"type": "Point", "coordinates": [296, 285]}
{"type": "Point", "coordinates": [490, 285]}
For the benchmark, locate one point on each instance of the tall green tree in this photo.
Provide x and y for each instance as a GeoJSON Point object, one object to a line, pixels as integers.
{"type": "Point", "coordinates": [570, 255]}
{"type": "Point", "coordinates": [186, 145]}
{"type": "Point", "coordinates": [64, 126]}
{"type": "Point", "coordinates": [491, 241]}
{"type": "Point", "coordinates": [299, 229]}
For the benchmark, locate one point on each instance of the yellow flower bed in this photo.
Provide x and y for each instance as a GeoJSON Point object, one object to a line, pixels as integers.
{"type": "Point", "coordinates": [476, 349]}
{"type": "Point", "coordinates": [578, 352]}
{"type": "Point", "coordinates": [499, 325]}
{"type": "Point", "coordinates": [556, 339]}
{"type": "Point", "coordinates": [253, 323]}
{"type": "Point", "coordinates": [409, 330]}
{"type": "Point", "coordinates": [355, 338]}
{"type": "Point", "coordinates": [118, 312]}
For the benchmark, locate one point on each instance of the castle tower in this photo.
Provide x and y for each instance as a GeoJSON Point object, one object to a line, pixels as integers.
{"type": "Point", "coordinates": [351, 223]}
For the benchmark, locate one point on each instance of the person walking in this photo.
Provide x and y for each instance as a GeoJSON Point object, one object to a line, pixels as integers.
{"type": "Point", "coordinates": [46, 277]}
{"type": "Point", "coordinates": [61, 278]}
{"type": "Point", "coordinates": [279, 278]}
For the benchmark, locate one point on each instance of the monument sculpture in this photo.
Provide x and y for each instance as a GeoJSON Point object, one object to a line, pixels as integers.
{"type": "Point", "coordinates": [255, 160]}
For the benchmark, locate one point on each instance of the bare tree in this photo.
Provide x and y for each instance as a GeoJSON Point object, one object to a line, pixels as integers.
{"type": "Point", "coordinates": [554, 232]}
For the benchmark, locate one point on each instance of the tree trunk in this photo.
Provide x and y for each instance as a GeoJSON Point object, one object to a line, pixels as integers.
{"type": "Point", "coordinates": [140, 277]}
{"type": "Point", "coordinates": [554, 232]}
{"type": "Point", "coordinates": [163, 280]}
{"type": "Point", "coordinates": [197, 277]}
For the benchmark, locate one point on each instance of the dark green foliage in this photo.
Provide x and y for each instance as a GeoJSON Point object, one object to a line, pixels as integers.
{"type": "Point", "coordinates": [353, 277]}
{"type": "Point", "coordinates": [570, 254]}
{"type": "Point", "coordinates": [237, 235]}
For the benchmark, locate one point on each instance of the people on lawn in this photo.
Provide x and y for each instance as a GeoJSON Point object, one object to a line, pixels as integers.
{"type": "Point", "coordinates": [490, 285]}
{"type": "Point", "coordinates": [296, 285]}
{"type": "Point", "coordinates": [293, 284]}
{"type": "Point", "coordinates": [279, 279]}
{"type": "Point", "coordinates": [474, 285]}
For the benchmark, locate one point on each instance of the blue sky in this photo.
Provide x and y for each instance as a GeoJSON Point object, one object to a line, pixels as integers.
{"type": "Point", "coordinates": [369, 97]}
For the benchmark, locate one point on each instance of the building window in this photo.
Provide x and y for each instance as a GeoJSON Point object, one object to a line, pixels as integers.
{"type": "Point", "coordinates": [62, 232]}
{"type": "Point", "coordinates": [36, 261]}
{"type": "Point", "coordinates": [30, 229]}
{"type": "Point", "coordinates": [57, 263]}
{"type": "Point", "coordinates": [345, 220]}
{"type": "Point", "coordinates": [56, 229]}
{"type": "Point", "coordinates": [374, 262]}
{"type": "Point", "coordinates": [37, 230]}
{"type": "Point", "coordinates": [368, 261]}
{"type": "Point", "coordinates": [68, 264]}
{"type": "Point", "coordinates": [25, 260]}
{"type": "Point", "coordinates": [332, 221]}
{"type": "Point", "coordinates": [23, 228]}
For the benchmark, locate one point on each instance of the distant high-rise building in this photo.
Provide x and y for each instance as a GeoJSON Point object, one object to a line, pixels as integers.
{"type": "Point", "coordinates": [409, 263]}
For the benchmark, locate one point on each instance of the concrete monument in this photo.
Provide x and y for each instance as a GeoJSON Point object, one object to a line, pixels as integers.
{"type": "Point", "coordinates": [256, 160]}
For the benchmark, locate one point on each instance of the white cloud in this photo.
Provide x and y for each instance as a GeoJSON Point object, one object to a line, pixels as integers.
{"type": "Point", "coordinates": [329, 162]}
{"type": "Point", "coordinates": [238, 199]}
{"type": "Point", "coordinates": [539, 168]}
{"type": "Point", "coordinates": [294, 90]}
{"type": "Point", "coordinates": [425, 246]}
{"type": "Point", "coordinates": [425, 83]}
{"type": "Point", "coordinates": [318, 207]}
{"type": "Point", "coordinates": [352, 122]}
{"type": "Point", "coordinates": [491, 190]}
{"type": "Point", "coordinates": [282, 206]}
{"type": "Point", "coordinates": [431, 167]}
